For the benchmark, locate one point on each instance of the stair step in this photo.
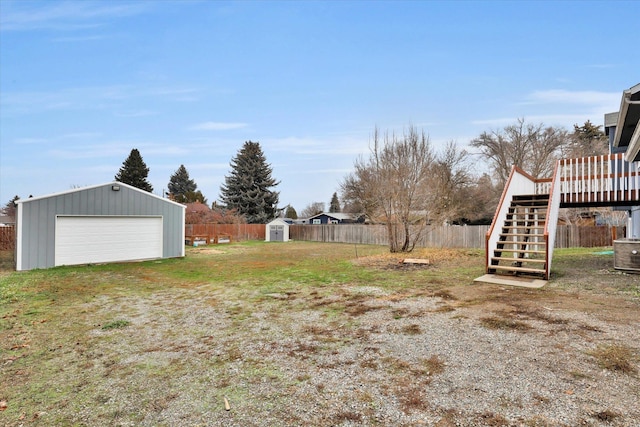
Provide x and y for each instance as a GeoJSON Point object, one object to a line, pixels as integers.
{"type": "Point", "coordinates": [516, 269]}
{"type": "Point", "coordinates": [521, 251]}
{"type": "Point", "coordinates": [531, 196]}
{"type": "Point", "coordinates": [511, 259]}
{"type": "Point", "coordinates": [536, 220]}
{"type": "Point", "coordinates": [518, 243]}
{"type": "Point", "coordinates": [527, 216]}
{"type": "Point", "coordinates": [530, 227]}
{"type": "Point", "coordinates": [531, 199]}
{"type": "Point", "coordinates": [521, 234]}
{"type": "Point", "coordinates": [529, 212]}
{"type": "Point", "coordinates": [530, 205]}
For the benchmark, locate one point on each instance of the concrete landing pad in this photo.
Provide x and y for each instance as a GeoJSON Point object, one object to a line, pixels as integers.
{"type": "Point", "coordinates": [497, 279]}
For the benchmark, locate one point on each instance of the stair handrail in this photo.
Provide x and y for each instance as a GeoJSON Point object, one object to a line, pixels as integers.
{"type": "Point", "coordinates": [519, 182]}
{"type": "Point", "coordinates": [551, 224]}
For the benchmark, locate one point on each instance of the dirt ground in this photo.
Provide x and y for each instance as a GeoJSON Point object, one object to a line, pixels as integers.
{"type": "Point", "coordinates": [327, 345]}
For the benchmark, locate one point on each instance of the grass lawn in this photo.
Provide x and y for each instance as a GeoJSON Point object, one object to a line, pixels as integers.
{"type": "Point", "coordinates": [265, 325]}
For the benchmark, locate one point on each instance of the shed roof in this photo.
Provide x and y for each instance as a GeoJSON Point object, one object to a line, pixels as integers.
{"type": "Point", "coordinates": [279, 221]}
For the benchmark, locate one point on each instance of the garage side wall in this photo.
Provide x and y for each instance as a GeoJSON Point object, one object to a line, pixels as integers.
{"type": "Point", "coordinates": [37, 220]}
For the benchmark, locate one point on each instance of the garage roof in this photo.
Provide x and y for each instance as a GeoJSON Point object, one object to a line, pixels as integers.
{"type": "Point", "coordinates": [114, 184]}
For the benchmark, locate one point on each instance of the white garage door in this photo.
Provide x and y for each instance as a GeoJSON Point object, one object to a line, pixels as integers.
{"type": "Point", "coordinates": [97, 239]}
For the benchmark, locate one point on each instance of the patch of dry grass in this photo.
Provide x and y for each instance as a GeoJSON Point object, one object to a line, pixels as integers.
{"type": "Point", "coordinates": [490, 419]}
{"type": "Point", "coordinates": [445, 294]}
{"type": "Point", "coordinates": [412, 329]}
{"type": "Point", "coordinates": [433, 365]}
{"type": "Point", "coordinates": [615, 357]}
{"type": "Point", "coordinates": [504, 323]}
{"type": "Point", "coordinates": [606, 416]}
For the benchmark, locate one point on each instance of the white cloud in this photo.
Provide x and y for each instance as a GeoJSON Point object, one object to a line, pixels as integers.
{"type": "Point", "coordinates": [136, 113]}
{"type": "Point", "coordinates": [565, 120]}
{"type": "Point", "coordinates": [559, 107]}
{"type": "Point", "coordinates": [28, 141]}
{"type": "Point", "coordinates": [78, 38]}
{"type": "Point", "coordinates": [331, 146]}
{"type": "Point", "coordinates": [603, 66]}
{"type": "Point", "coordinates": [208, 166]}
{"type": "Point", "coordinates": [218, 126]}
{"type": "Point", "coordinates": [65, 16]}
{"type": "Point", "coordinates": [59, 139]}
{"type": "Point", "coordinates": [560, 96]}
{"type": "Point", "coordinates": [499, 121]}
{"type": "Point", "coordinates": [88, 98]}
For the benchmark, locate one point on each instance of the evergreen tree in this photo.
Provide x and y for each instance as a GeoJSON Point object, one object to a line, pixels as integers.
{"type": "Point", "coordinates": [291, 213]}
{"type": "Point", "coordinates": [192, 197]}
{"type": "Point", "coordinates": [10, 208]}
{"type": "Point", "coordinates": [334, 206]}
{"type": "Point", "coordinates": [134, 172]}
{"type": "Point", "coordinates": [181, 186]}
{"type": "Point", "coordinates": [587, 140]}
{"type": "Point", "coordinates": [248, 188]}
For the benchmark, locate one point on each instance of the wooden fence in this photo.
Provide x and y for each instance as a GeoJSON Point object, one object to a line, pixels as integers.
{"type": "Point", "coordinates": [472, 236]}
{"type": "Point", "coordinates": [572, 236]}
{"type": "Point", "coordinates": [237, 232]}
{"type": "Point", "coordinates": [7, 238]}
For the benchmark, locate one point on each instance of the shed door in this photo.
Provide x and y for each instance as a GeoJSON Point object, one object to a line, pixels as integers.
{"type": "Point", "coordinates": [97, 239]}
{"type": "Point", "coordinates": [277, 233]}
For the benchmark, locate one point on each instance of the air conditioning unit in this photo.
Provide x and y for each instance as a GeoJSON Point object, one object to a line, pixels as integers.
{"type": "Point", "coordinates": [626, 255]}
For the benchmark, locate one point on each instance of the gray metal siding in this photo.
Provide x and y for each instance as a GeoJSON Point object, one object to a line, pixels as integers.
{"type": "Point", "coordinates": [39, 219]}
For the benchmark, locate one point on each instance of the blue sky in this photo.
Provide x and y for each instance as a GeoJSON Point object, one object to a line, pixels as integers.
{"type": "Point", "coordinates": [187, 82]}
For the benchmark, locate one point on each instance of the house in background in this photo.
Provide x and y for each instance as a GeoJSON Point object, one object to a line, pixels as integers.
{"type": "Point", "coordinates": [104, 223]}
{"type": "Point", "coordinates": [520, 241]}
{"type": "Point", "coordinates": [330, 218]}
{"type": "Point", "coordinates": [6, 221]}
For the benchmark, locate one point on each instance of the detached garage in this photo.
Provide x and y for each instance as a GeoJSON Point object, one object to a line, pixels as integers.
{"type": "Point", "coordinates": [105, 223]}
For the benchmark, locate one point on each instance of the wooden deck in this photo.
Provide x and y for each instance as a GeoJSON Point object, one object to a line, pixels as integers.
{"type": "Point", "coordinates": [599, 181]}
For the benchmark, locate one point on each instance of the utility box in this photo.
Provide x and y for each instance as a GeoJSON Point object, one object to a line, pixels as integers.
{"type": "Point", "coordinates": [626, 255]}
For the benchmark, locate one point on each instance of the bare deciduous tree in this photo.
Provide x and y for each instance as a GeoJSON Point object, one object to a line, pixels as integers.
{"type": "Point", "coordinates": [451, 183]}
{"type": "Point", "coordinates": [312, 209]}
{"type": "Point", "coordinates": [406, 185]}
{"type": "Point", "coordinates": [533, 148]}
{"type": "Point", "coordinates": [482, 200]}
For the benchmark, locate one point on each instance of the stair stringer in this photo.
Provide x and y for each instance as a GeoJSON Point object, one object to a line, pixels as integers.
{"type": "Point", "coordinates": [553, 211]}
{"type": "Point", "coordinates": [519, 182]}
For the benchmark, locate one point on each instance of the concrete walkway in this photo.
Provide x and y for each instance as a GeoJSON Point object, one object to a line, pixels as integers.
{"type": "Point", "coordinates": [497, 279]}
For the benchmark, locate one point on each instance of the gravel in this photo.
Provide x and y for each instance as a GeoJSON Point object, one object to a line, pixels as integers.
{"type": "Point", "coordinates": [386, 360]}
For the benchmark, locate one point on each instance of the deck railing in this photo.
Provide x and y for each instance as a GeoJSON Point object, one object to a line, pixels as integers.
{"type": "Point", "coordinates": [597, 179]}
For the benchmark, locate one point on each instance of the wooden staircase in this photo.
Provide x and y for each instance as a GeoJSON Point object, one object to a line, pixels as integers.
{"type": "Point", "coordinates": [520, 242]}
{"type": "Point", "coordinates": [521, 249]}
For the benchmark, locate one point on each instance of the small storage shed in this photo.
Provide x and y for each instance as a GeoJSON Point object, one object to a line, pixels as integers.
{"type": "Point", "coordinates": [104, 223]}
{"type": "Point", "coordinates": [277, 231]}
